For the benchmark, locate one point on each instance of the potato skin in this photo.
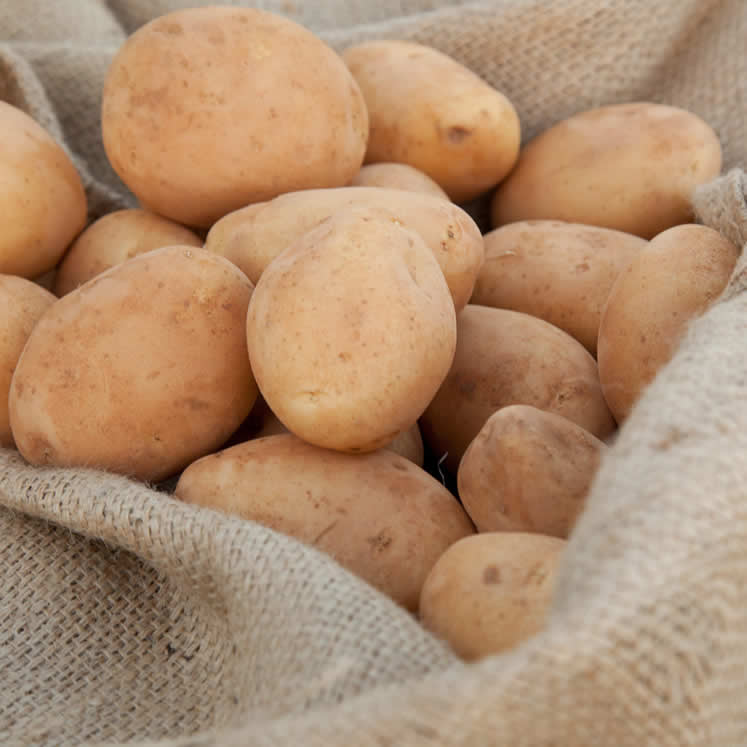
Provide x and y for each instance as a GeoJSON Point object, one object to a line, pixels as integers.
{"type": "Point", "coordinates": [489, 592]}
{"type": "Point", "coordinates": [115, 375]}
{"type": "Point", "coordinates": [22, 304]}
{"type": "Point", "coordinates": [431, 112]}
{"type": "Point", "coordinates": [115, 238]}
{"type": "Point", "coordinates": [322, 327]}
{"type": "Point", "coordinates": [201, 112]}
{"type": "Point", "coordinates": [556, 271]}
{"type": "Point", "coordinates": [42, 203]}
{"type": "Point", "coordinates": [507, 358]}
{"type": "Point", "coordinates": [528, 471]}
{"type": "Point", "coordinates": [377, 514]}
{"type": "Point", "coordinates": [672, 280]}
{"type": "Point", "coordinates": [397, 176]}
{"type": "Point", "coordinates": [630, 167]}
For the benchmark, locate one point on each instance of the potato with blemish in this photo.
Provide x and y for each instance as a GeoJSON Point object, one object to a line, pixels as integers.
{"type": "Point", "coordinates": [397, 176]}
{"type": "Point", "coordinates": [377, 514]}
{"type": "Point", "coordinates": [489, 592]}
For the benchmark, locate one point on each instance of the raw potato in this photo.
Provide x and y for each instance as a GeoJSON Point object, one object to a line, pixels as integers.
{"type": "Point", "coordinates": [251, 238]}
{"type": "Point", "coordinates": [489, 592]}
{"type": "Point", "coordinates": [559, 272]}
{"type": "Point", "coordinates": [206, 110]}
{"type": "Point", "coordinates": [22, 304]}
{"type": "Point", "coordinates": [510, 358]}
{"type": "Point", "coordinates": [378, 515]}
{"type": "Point", "coordinates": [397, 176]}
{"type": "Point", "coordinates": [427, 110]}
{"type": "Point", "coordinates": [42, 203]}
{"type": "Point", "coordinates": [140, 371]}
{"type": "Point", "coordinates": [351, 331]}
{"type": "Point", "coordinates": [115, 238]}
{"type": "Point", "coordinates": [528, 471]}
{"type": "Point", "coordinates": [631, 167]}
{"type": "Point", "coordinates": [674, 279]}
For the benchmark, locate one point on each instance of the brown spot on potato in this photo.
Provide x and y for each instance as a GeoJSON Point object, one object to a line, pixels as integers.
{"type": "Point", "coordinates": [458, 134]}
{"type": "Point", "coordinates": [491, 575]}
{"type": "Point", "coordinates": [380, 541]}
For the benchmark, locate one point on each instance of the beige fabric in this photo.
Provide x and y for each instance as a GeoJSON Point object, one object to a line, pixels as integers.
{"type": "Point", "coordinates": [126, 616]}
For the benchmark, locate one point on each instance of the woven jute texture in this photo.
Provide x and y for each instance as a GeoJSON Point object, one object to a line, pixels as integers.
{"type": "Point", "coordinates": [129, 617]}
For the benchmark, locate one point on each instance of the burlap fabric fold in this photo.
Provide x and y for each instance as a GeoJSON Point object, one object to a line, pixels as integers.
{"type": "Point", "coordinates": [128, 617]}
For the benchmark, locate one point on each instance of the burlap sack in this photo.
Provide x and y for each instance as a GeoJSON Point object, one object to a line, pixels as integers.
{"type": "Point", "coordinates": [126, 616]}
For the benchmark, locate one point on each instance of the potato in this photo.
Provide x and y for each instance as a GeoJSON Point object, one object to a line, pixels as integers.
{"type": "Point", "coordinates": [631, 167]}
{"type": "Point", "coordinates": [351, 331]}
{"type": "Point", "coordinates": [22, 304]}
{"type": "Point", "coordinates": [528, 471]}
{"type": "Point", "coordinates": [675, 278]}
{"type": "Point", "coordinates": [42, 202]}
{"type": "Point", "coordinates": [489, 592]}
{"type": "Point", "coordinates": [397, 176]}
{"type": "Point", "coordinates": [427, 110]}
{"type": "Point", "coordinates": [559, 272]}
{"type": "Point", "coordinates": [251, 238]}
{"type": "Point", "coordinates": [206, 110]}
{"type": "Point", "coordinates": [509, 358]}
{"type": "Point", "coordinates": [115, 238]}
{"type": "Point", "coordinates": [377, 514]}
{"type": "Point", "coordinates": [140, 371]}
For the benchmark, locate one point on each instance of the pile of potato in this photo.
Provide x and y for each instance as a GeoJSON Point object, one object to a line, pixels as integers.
{"type": "Point", "coordinates": [299, 298]}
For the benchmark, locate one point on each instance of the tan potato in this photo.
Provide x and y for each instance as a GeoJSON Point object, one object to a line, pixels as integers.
{"type": "Point", "coordinates": [427, 110]}
{"type": "Point", "coordinates": [559, 272]}
{"type": "Point", "coordinates": [206, 110]}
{"type": "Point", "coordinates": [42, 203]}
{"type": "Point", "coordinates": [22, 304]}
{"type": "Point", "coordinates": [397, 176]}
{"type": "Point", "coordinates": [631, 167]}
{"type": "Point", "coordinates": [510, 358]}
{"type": "Point", "coordinates": [377, 514]}
{"type": "Point", "coordinates": [252, 237]}
{"type": "Point", "coordinates": [139, 371]}
{"type": "Point", "coordinates": [674, 279]}
{"type": "Point", "coordinates": [115, 238]}
{"type": "Point", "coordinates": [351, 331]}
{"type": "Point", "coordinates": [489, 592]}
{"type": "Point", "coordinates": [528, 471]}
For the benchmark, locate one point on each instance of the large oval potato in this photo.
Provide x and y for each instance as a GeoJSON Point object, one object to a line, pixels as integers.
{"type": "Point", "coordinates": [377, 514]}
{"type": "Point", "coordinates": [139, 371]}
{"type": "Point", "coordinates": [115, 238]}
{"type": "Point", "coordinates": [509, 358]}
{"type": "Point", "coordinates": [528, 471]}
{"type": "Point", "coordinates": [489, 592]}
{"type": "Point", "coordinates": [631, 167]}
{"type": "Point", "coordinates": [206, 110]}
{"type": "Point", "coordinates": [397, 176]}
{"type": "Point", "coordinates": [429, 111]}
{"type": "Point", "coordinates": [22, 304]}
{"type": "Point", "coordinates": [559, 272]}
{"type": "Point", "coordinates": [42, 203]}
{"type": "Point", "coordinates": [252, 237]}
{"type": "Point", "coordinates": [675, 278]}
{"type": "Point", "coordinates": [351, 331]}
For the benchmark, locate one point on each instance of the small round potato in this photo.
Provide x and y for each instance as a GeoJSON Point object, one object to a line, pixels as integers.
{"type": "Point", "coordinates": [22, 304]}
{"type": "Point", "coordinates": [429, 111]}
{"type": "Point", "coordinates": [251, 238]}
{"type": "Point", "coordinates": [630, 167]}
{"type": "Point", "coordinates": [115, 238]}
{"type": "Point", "coordinates": [397, 176]}
{"type": "Point", "coordinates": [559, 272]}
{"type": "Point", "coordinates": [673, 279]}
{"type": "Point", "coordinates": [528, 471]}
{"type": "Point", "coordinates": [489, 592]}
{"type": "Point", "coordinates": [42, 203]}
{"type": "Point", "coordinates": [351, 331]}
{"type": "Point", "coordinates": [510, 358]}
{"type": "Point", "coordinates": [140, 371]}
{"type": "Point", "coordinates": [208, 109]}
{"type": "Point", "coordinates": [379, 515]}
